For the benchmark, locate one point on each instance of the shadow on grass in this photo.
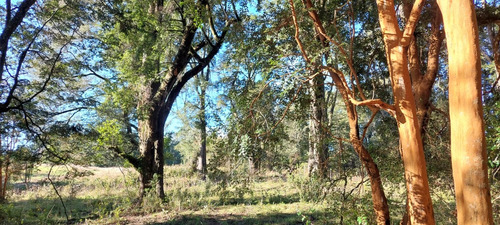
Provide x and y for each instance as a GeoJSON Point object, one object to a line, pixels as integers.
{"type": "Point", "coordinates": [51, 211]}
{"type": "Point", "coordinates": [275, 218]}
{"type": "Point", "coordinates": [259, 199]}
{"type": "Point", "coordinates": [25, 186]}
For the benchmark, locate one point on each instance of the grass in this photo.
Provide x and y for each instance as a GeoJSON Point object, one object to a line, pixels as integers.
{"type": "Point", "coordinates": [94, 195]}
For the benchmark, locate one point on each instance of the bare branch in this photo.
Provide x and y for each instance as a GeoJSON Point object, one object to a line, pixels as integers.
{"type": "Point", "coordinates": [365, 128]}
{"type": "Point", "coordinates": [377, 103]}
{"type": "Point", "coordinates": [10, 26]}
{"type": "Point", "coordinates": [297, 38]}
{"type": "Point", "coordinates": [57, 193]}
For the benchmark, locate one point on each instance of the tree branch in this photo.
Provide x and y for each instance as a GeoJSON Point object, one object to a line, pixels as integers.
{"type": "Point", "coordinates": [412, 22]}
{"type": "Point", "coordinates": [57, 193]}
{"type": "Point", "coordinates": [131, 159]}
{"type": "Point", "coordinates": [10, 26]}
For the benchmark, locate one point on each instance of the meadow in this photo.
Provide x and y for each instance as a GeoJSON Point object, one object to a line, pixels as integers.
{"type": "Point", "coordinates": [98, 195]}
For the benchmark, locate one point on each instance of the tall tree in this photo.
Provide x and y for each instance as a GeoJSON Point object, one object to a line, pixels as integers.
{"type": "Point", "coordinates": [378, 195]}
{"type": "Point", "coordinates": [202, 82]}
{"type": "Point", "coordinates": [412, 151]}
{"type": "Point", "coordinates": [468, 145]}
{"type": "Point", "coordinates": [162, 40]}
{"type": "Point", "coordinates": [318, 150]}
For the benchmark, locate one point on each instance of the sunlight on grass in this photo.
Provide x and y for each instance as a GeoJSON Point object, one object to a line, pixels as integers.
{"type": "Point", "coordinates": [94, 195]}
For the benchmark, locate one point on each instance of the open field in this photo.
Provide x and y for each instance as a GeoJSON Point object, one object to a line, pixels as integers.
{"type": "Point", "coordinates": [94, 195]}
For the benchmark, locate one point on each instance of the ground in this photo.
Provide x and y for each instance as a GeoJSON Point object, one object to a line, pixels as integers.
{"type": "Point", "coordinates": [95, 195]}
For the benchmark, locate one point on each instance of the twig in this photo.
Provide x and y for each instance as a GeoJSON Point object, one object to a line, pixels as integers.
{"type": "Point", "coordinates": [57, 193]}
{"type": "Point", "coordinates": [368, 124]}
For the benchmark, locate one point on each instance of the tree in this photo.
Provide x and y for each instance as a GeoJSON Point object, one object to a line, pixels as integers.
{"type": "Point", "coordinates": [318, 150]}
{"type": "Point", "coordinates": [11, 82]}
{"type": "Point", "coordinates": [162, 40]}
{"type": "Point", "coordinates": [378, 196]}
{"type": "Point", "coordinates": [202, 81]}
{"type": "Point", "coordinates": [396, 42]}
{"type": "Point", "coordinates": [468, 145]}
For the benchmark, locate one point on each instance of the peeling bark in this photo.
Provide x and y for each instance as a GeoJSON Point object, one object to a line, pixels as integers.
{"type": "Point", "coordinates": [412, 152]}
{"type": "Point", "coordinates": [377, 189]}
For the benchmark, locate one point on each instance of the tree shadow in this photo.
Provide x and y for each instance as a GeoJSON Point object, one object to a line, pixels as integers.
{"type": "Point", "coordinates": [43, 210]}
{"type": "Point", "coordinates": [260, 199]}
{"type": "Point", "coordinates": [230, 219]}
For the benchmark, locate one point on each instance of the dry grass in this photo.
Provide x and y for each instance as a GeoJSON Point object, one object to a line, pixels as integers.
{"type": "Point", "coordinates": [95, 195]}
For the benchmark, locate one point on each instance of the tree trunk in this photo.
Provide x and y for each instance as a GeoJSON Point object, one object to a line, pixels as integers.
{"type": "Point", "coordinates": [378, 196]}
{"type": "Point", "coordinates": [468, 146]}
{"type": "Point", "coordinates": [377, 189]}
{"type": "Point", "coordinates": [422, 83]}
{"type": "Point", "coordinates": [412, 152]}
{"type": "Point", "coordinates": [318, 152]}
{"type": "Point", "coordinates": [3, 193]}
{"type": "Point", "coordinates": [202, 157]}
{"type": "Point", "coordinates": [2, 197]}
{"type": "Point", "coordinates": [151, 127]}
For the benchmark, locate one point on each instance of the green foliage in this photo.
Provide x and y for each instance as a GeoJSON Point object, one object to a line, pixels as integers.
{"type": "Point", "coordinates": [312, 188]}
{"type": "Point", "coordinates": [110, 133]}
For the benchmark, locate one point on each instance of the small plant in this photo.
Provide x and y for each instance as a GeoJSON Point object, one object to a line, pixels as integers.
{"type": "Point", "coordinates": [305, 219]}
{"type": "Point", "coordinates": [362, 220]}
{"type": "Point", "coordinates": [151, 202]}
{"type": "Point", "coordinates": [312, 188]}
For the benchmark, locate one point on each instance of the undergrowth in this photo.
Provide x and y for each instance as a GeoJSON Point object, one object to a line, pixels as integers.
{"type": "Point", "coordinates": [110, 196]}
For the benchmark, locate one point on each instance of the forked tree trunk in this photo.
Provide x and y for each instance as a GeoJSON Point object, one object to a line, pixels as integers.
{"type": "Point", "coordinates": [412, 152]}
{"type": "Point", "coordinates": [422, 82]}
{"type": "Point", "coordinates": [158, 90]}
{"type": "Point", "coordinates": [318, 152]}
{"type": "Point", "coordinates": [468, 146]}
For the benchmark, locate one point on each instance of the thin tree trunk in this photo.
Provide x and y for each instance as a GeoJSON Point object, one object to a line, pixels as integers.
{"type": "Point", "coordinates": [6, 177]}
{"type": "Point", "coordinates": [377, 189]}
{"type": "Point", "coordinates": [468, 145]}
{"type": "Point", "coordinates": [2, 197]}
{"type": "Point", "coordinates": [202, 157]}
{"type": "Point", "coordinates": [378, 196]}
{"type": "Point", "coordinates": [417, 184]}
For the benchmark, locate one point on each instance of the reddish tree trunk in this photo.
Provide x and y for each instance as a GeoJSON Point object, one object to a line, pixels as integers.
{"type": "Point", "coordinates": [412, 152]}
{"type": "Point", "coordinates": [468, 145]}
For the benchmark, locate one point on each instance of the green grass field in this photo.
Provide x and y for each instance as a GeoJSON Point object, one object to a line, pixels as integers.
{"type": "Point", "coordinates": [94, 195]}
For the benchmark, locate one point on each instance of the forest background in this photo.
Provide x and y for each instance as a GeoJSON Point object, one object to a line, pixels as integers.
{"type": "Point", "coordinates": [351, 111]}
